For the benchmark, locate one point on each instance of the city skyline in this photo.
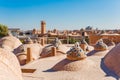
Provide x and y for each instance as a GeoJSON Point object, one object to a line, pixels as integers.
{"type": "Point", "coordinates": [60, 14]}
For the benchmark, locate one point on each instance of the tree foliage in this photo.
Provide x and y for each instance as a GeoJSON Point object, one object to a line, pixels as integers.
{"type": "Point", "coordinates": [3, 30]}
{"type": "Point", "coordinates": [73, 40]}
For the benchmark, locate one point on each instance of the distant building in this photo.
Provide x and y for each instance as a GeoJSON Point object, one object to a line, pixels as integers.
{"type": "Point", "coordinates": [14, 31]}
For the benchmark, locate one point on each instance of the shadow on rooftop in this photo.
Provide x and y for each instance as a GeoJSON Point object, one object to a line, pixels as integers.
{"type": "Point", "coordinates": [60, 66]}
{"type": "Point", "coordinates": [92, 53]}
{"type": "Point", "coordinates": [50, 70]}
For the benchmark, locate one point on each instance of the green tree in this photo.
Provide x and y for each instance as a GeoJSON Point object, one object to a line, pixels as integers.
{"type": "Point", "coordinates": [3, 30]}
{"type": "Point", "coordinates": [73, 40]}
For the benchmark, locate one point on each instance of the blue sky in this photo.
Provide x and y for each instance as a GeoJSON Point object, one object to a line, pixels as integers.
{"type": "Point", "coordinates": [60, 14]}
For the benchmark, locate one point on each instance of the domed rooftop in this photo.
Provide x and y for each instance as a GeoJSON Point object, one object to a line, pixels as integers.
{"type": "Point", "coordinates": [84, 45]}
{"type": "Point", "coordinates": [100, 46]}
{"type": "Point", "coordinates": [10, 43]}
{"type": "Point", "coordinates": [112, 59]}
{"type": "Point", "coordinates": [9, 66]}
{"type": "Point", "coordinates": [75, 60]}
{"type": "Point", "coordinates": [76, 53]}
{"type": "Point", "coordinates": [21, 51]}
{"type": "Point", "coordinates": [56, 43]}
{"type": "Point", "coordinates": [68, 65]}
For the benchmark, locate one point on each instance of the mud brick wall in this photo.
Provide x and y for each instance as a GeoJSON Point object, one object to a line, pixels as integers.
{"type": "Point", "coordinates": [94, 38]}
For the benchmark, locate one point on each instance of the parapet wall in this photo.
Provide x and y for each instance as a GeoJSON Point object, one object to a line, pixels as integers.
{"type": "Point", "coordinates": [94, 38]}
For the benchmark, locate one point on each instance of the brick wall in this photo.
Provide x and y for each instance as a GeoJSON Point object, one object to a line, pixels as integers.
{"type": "Point", "coordinates": [94, 38]}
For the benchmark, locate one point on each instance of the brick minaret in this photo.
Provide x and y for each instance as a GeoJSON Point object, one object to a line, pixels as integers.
{"type": "Point", "coordinates": [43, 27]}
